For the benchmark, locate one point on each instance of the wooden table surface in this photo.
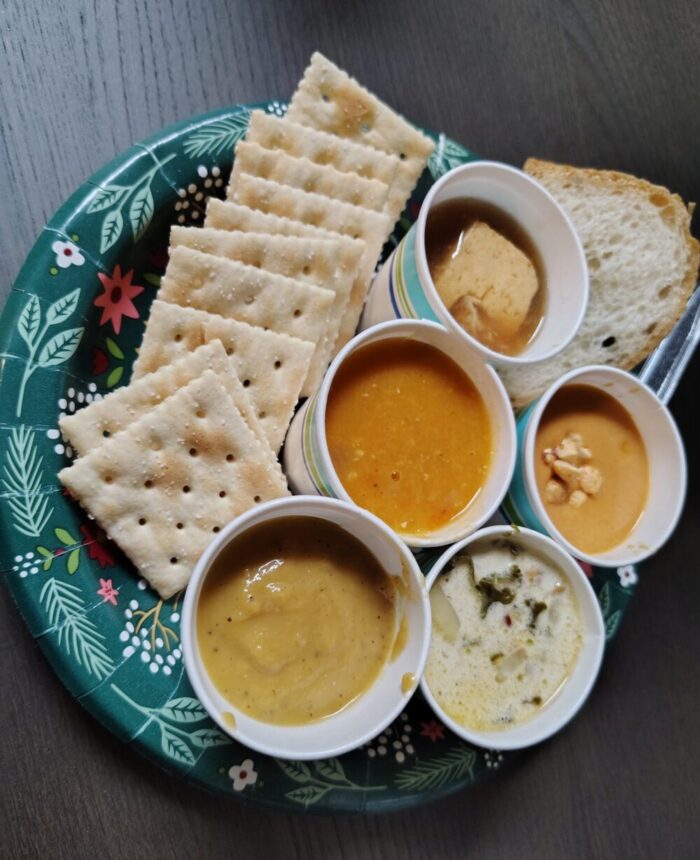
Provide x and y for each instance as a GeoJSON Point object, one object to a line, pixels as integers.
{"type": "Point", "coordinates": [600, 84]}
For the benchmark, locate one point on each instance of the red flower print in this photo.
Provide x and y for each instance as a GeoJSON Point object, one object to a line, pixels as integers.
{"type": "Point", "coordinates": [97, 551]}
{"type": "Point", "coordinates": [433, 730]}
{"type": "Point", "coordinates": [586, 568]}
{"type": "Point", "coordinates": [116, 299]}
{"type": "Point", "coordinates": [108, 592]}
{"type": "Point", "coordinates": [100, 362]}
{"type": "Point", "coordinates": [159, 258]}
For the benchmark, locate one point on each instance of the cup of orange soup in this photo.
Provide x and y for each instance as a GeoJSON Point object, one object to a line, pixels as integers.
{"type": "Point", "coordinates": [600, 467]}
{"type": "Point", "coordinates": [410, 424]}
{"type": "Point", "coordinates": [493, 258]}
{"type": "Point", "coordinates": [305, 627]}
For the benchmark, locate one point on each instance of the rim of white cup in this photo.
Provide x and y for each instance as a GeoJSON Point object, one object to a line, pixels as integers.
{"type": "Point", "coordinates": [513, 174]}
{"type": "Point", "coordinates": [396, 698]}
{"type": "Point", "coordinates": [506, 449]}
{"type": "Point", "coordinates": [543, 725]}
{"type": "Point", "coordinates": [532, 491]}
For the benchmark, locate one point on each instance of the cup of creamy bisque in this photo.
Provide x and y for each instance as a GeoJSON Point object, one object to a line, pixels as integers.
{"type": "Point", "coordinates": [494, 259]}
{"type": "Point", "coordinates": [410, 424]}
{"type": "Point", "coordinates": [517, 638]}
{"type": "Point", "coordinates": [601, 467]}
{"type": "Point", "coordinates": [305, 627]}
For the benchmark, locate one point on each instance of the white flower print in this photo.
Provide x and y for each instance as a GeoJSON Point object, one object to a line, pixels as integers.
{"type": "Point", "coordinates": [277, 109]}
{"type": "Point", "coordinates": [67, 254]}
{"type": "Point", "coordinates": [243, 774]}
{"type": "Point", "coordinates": [628, 576]}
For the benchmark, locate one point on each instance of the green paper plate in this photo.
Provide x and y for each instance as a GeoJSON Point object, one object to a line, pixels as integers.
{"type": "Point", "coordinates": [69, 331]}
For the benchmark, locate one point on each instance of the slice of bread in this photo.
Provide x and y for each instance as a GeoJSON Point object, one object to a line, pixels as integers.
{"type": "Point", "coordinates": [643, 266]}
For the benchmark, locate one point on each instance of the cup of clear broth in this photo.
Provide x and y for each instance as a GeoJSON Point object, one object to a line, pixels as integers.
{"type": "Point", "coordinates": [600, 468]}
{"type": "Point", "coordinates": [410, 424]}
{"type": "Point", "coordinates": [494, 259]}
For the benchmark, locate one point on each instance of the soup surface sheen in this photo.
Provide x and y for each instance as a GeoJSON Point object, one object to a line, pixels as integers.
{"type": "Point", "coordinates": [487, 272]}
{"type": "Point", "coordinates": [506, 635]}
{"type": "Point", "coordinates": [295, 620]}
{"type": "Point", "coordinates": [408, 434]}
{"type": "Point", "coordinates": [608, 432]}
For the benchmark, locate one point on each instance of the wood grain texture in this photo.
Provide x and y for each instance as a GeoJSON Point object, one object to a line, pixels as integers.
{"type": "Point", "coordinates": [603, 84]}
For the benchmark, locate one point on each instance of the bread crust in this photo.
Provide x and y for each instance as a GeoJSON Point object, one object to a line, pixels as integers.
{"type": "Point", "coordinates": [623, 183]}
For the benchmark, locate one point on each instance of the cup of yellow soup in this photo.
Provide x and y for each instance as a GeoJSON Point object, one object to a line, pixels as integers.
{"type": "Point", "coordinates": [517, 638]}
{"type": "Point", "coordinates": [493, 258]}
{"type": "Point", "coordinates": [601, 467]}
{"type": "Point", "coordinates": [305, 627]}
{"type": "Point", "coordinates": [410, 424]}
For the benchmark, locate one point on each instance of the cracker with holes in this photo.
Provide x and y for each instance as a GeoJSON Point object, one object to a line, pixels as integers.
{"type": "Point", "coordinates": [89, 427]}
{"type": "Point", "coordinates": [300, 172]}
{"type": "Point", "coordinates": [166, 484]}
{"type": "Point", "coordinates": [321, 148]}
{"type": "Point", "coordinates": [257, 297]}
{"type": "Point", "coordinates": [271, 366]}
{"type": "Point", "coordinates": [332, 263]}
{"type": "Point", "coordinates": [225, 215]}
{"type": "Point", "coordinates": [371, 227]}
{"type": "Point", "coordinates": [328, 99]}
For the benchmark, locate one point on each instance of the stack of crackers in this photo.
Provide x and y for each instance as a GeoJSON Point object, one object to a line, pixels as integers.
{"type": "Point", "coordinates": [250, 312]}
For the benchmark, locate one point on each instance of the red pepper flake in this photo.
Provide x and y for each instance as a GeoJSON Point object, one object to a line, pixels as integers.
{"type": "Point", "coordinates": [508, 620]}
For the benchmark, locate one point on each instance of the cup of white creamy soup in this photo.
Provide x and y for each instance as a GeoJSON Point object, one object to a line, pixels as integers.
{"type": "Point", "coordinates": [517, 638]}
{"type": "Point", "coordinates": [494, 259]}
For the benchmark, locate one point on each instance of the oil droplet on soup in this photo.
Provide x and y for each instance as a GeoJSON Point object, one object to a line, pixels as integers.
{"type": "Point", "coordinates": [295, 620]}
{"type": "Point", "coordinates": [409, 434]}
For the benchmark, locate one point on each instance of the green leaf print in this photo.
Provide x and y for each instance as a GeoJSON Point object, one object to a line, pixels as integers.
{"type": "Point", "coordinates": [431, 774]}
{"type": "Point", "coordinates": [65, 537]}
{"type": "Point", "coordinates": [183, 710]}
{"type": "Point", "coordinates": [218, 136]}
{"type": "Point", "coordinates": [29, 507]}
{"type": "Point", "coordinates": [30, 320]}
{"type": "Point", "coordinates": [114, 376]}
{"type": "Point", "coordinates": [114, 349]}
{"type": "Point", "coordinates": [60, 348]}
{"type": "Point", "coordinates": [141, 211]}
{"type": "Point", "coordinates": [207, 738]}
{"type": "Point", "coordinates": [612, 623]}
{"type": "Point", "coordinates": [76, 632]}
{"type": "Point", "coordinates": [106, 197]}
{"type": "Point", "coordinates": [62, 308]}
{"type": "Point", "coordinates": [175, 747]}
{"type": "Point", "coordinates": [73, 561]}
{"type": "Point", "coordinates": [331, 769]}
{"type": "Point", "coordinates": [307, 794]}
{"type": "Point", "coordinates": [112, 227]}
{"type": "Point", "coordinates": [296, 770]}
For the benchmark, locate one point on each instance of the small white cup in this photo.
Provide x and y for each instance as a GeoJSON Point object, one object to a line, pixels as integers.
{"type": "Point", "coordinates": [372, 712]}
{"type": "Point", "coordinates": [403, 288]}
{"type": "Point", "coordinates": [665, 455]}
{"type": "Point", "coordinates": [307, 460]}
{"type": "Point", "coordinates": [566, 704]}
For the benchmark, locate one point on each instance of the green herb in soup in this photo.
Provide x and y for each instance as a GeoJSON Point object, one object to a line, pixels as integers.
{"type": "Point", "coordinates": [506, 635]}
